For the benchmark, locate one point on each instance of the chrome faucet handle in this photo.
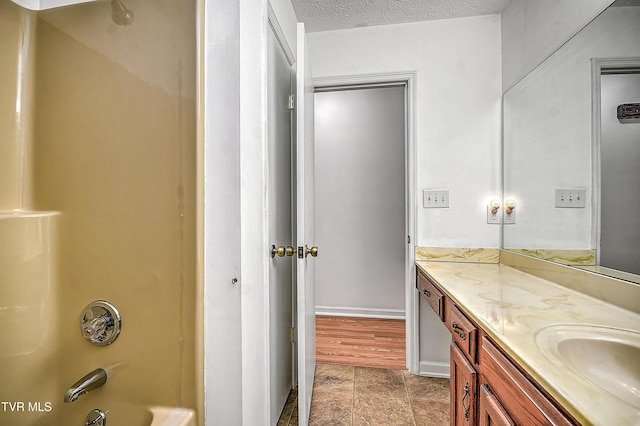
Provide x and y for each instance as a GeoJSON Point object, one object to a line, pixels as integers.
{"type": "Point", "coordinates": [96, 417]}
{"type": "Point", "coordinates": [95, 329]}
{"type": "Point", "coordinates": [100, 323]}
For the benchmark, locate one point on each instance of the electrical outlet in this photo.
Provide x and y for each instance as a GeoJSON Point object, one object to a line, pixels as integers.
{"type": "Point", "coordinates": [510, 218]}
{"type": "Point", "coordinates": [494, 219]}
{"type": "Point", "coordinates": [571, 198]}
{"type": "Point", "coordinates": [435, 198]}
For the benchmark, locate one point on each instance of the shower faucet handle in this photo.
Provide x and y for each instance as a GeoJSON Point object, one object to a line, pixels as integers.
{"type": "Point", "coordinates": [100, 323]}
{"type": "Point", "coordinates": [95, 329]}
{"type": "Point", "coordinates": [96, 417]}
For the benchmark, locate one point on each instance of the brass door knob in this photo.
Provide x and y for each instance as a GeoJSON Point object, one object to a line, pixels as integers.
{"type": "Point", "coordinates": [313, 251]}
{"type": "Point", "coordinates": [281, 251]}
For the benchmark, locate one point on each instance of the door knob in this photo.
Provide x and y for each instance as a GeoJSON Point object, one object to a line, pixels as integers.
{"type": "Point", "coordinates": [313, 251]}
{"type": "Point", "coordinates": [281, 251]}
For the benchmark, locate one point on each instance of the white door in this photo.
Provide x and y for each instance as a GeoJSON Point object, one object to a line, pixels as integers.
{"type": "Point", "coordinates": [280, 226]}
{"type": "Point", "coordinates": [306, 326]}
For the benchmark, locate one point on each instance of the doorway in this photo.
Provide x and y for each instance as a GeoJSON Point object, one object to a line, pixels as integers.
{"type": "Point", "coordinates": [619, 173]}
{"type": "Point", "coordinates": [364, 212]}
{"type": "Point", "coordinates": [617, 154]}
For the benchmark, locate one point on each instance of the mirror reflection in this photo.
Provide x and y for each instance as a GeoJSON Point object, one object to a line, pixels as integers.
{"type": "Point", "coordinates": [571, 165]}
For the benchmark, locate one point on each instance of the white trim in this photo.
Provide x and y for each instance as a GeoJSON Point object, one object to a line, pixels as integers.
{"type": "Point", "coordinates": [597, 66]}
{"type": "Point", "coordinates": [346, 311]}
{"type": "Point", "coordinates": [280, 37]}
{"type": "Point", "coordinates": [254, 232]}
{"type": "Point", "coordinates": [434, 369]}
{"type": "Point", "coordinates": [364, 79]}
{"type": "Point", "coordinates": [411, 298]}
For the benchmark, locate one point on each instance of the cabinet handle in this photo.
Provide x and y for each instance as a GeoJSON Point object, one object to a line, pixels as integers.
{"type": "Point", "coordinates": [465, 396]}
{"type": "Point", "coordinates": [459, 331]}
{"type": "Point", "coordinates": [426, 292]}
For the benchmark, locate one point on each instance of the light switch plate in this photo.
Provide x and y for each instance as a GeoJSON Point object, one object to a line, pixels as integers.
{"type": "Point", "coordinates": [435, 198]}
{"type": "Point", "coordinates": [571, 198]}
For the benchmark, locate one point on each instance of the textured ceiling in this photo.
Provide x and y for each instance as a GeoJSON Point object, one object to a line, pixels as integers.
{"type": "Point", "coordinates": [325, 15]}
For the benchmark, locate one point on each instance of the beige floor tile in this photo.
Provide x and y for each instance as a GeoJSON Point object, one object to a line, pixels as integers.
{"type": "Point", "coordinates": [293, 421]}
{"type": "Point", "coordinates": [427, 388]}
{"type": "Point", "coordinates": [428, 413]}
{"type": "Point", "coordinates": [333, 378]}
{"type": "Point", "coordinates": [379, 381]}
{"type": "Point", "coordinates": [344, 395]}
{"type": "Point", "coordinates": [331, 408]}
{"type": "Point", "coordinates": [378, 410]}
{"type": "Point", "coordinates": [289, 407]}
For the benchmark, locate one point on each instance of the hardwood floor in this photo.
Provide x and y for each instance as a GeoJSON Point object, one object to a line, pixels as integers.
{"type": "Point", "coordinates": [365, 342]}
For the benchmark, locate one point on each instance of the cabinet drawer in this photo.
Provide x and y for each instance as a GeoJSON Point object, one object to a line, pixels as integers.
{"type": "Point", "coordinates": [464, 332]}
{"type": "Point", "coordinates": [432, 295]}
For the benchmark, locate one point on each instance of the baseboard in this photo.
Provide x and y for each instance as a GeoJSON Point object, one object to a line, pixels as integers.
{"type": "Point", "coordinates": [342, 311]}
{"type": "Point", "coordinates": [434, 369]}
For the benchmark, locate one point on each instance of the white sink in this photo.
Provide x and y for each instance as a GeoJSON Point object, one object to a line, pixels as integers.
{"type": "Point", "coordinates": [607, 357]}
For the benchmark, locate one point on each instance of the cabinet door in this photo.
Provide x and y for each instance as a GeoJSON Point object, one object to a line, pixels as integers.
{"type": "Point", "coordinates": [491, 412]}
{"type": "Point", "coordinates": [463, 389]}
{"type": "Point", "coordinates": [517, 393]}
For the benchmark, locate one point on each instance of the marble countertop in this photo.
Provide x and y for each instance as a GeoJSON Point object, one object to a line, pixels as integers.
{"type": "Point", "coordinates": [513, 307]}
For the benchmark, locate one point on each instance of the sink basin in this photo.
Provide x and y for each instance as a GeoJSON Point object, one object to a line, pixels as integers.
{"type": "Point", "coordinates": [607, 357]}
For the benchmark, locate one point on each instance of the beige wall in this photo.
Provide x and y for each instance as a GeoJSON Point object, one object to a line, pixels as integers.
{"type": "Point", "coordinates": [115, 153]}
{"type": "Point", "coordinates": [16, 106]}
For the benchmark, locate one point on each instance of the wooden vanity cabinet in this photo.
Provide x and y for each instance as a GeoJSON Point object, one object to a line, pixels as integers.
{"type": "Point", "coordinates": [515, 391]}
{"type": "Point", "coordinates": [490, 411]}
{"type": "Point", "coordinates": [463, 379]}
{"type": "Point", "coordinates": [487, 386]}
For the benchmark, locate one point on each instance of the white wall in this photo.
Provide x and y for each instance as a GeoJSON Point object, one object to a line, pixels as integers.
{"type": "Point", "coordinates": [222, 328]}
{"type": "Point", "coordinates": [458, 101]}
{"type": "Point", "coordinates": [234, 77]}
{"type": "Point", "coordinates": [548, 126]}
{"type": "Point", "coordinates": [532, 30]}
{"type": "Point", "coordinates": [457, 63]}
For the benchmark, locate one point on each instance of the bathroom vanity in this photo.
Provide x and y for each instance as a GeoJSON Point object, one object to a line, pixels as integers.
{"type": "Point", "coordinates": [528, 351]}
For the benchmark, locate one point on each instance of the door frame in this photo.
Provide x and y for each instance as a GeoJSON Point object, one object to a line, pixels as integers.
{"type": "Point", "coordinates": [598, 66]}
{"type": "Point", "coordinates": [411, 298]}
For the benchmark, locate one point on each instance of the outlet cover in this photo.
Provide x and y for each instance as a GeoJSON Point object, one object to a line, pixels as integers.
{"type": "Point", "coordinates": [571, 198]}
{"type": "Point", "coordinates": [435, 198]}
{"type": "Point", "coordinates": [493, 219]}
{"type": "Point", "coordinates": [510, 219]}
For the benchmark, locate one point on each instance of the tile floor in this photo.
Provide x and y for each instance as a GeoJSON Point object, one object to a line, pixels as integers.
{"type": "Point", "coordinates": [354, 396]}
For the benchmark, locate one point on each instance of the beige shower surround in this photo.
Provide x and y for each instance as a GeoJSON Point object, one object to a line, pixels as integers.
{"type": "Point", "coordinates": [98, 200]}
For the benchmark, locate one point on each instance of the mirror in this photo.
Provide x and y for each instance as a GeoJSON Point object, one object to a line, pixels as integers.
{"type": "Point", "coordinates": [548, 146]}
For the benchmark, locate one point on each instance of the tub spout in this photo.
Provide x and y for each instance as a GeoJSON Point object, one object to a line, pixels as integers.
{"type": "Point", "coordinates": [91, 381]}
